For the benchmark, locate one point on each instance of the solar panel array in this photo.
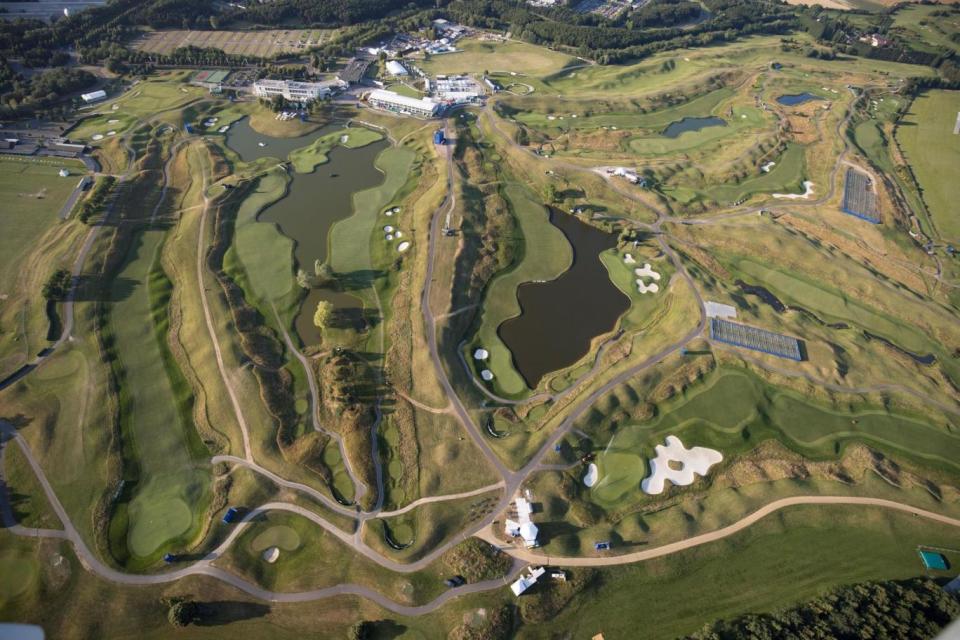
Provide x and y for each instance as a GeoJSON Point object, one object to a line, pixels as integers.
{"type": "Point", "coordinates": [748, 337]}
{"type": "Point", "coordinates": [858, 198]}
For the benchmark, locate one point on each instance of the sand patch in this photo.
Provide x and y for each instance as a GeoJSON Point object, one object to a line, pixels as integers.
{"type": "Point", "coordinates": [692, 462]}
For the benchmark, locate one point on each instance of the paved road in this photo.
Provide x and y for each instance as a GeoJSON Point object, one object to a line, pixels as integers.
{"type": "Point", "coordinates": [531, 556]}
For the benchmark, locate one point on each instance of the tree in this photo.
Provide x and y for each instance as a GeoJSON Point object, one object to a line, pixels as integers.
{"type": "Point", "coordinates": [323, 314]}
{"type": "Point", "coordinates": [324, 274]}
{"type": "Point", "coordinates": [58, 285]}
{"type": "Point", "coordinates": [303, 280]}
{"type": "Point", "coordinates": [182, 612]}
{"type": "Point", "coordinates": [361, 630]}
{"type": "Point", "coordinates": [550, 193]}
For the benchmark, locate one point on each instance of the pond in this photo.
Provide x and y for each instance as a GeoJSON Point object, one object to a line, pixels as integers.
{"type": "Point", "coordinates": [559, 319]}
{"type": "Point", "coordinates": [674, 129]}
{"type": "Point", "coordinates": [246, 141]}
{"type": "Point", "coordinates": [793, 99]}
{"type": "Point", "coordinates": [313, 203]}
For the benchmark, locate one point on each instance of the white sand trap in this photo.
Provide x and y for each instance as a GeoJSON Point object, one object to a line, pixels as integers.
{"type": "Point", "coordinates": [395, 210]}
{"type": "Point", "coordinates": [388, 237]}
{"type": "Point", "coordinates": [643, 287]}
{"type": "Point", "coordinates": [807, 192]}
{"type": "Point", "coordinates": [487, 375]}
{"type": "Point", "coordinates": [344, 139]}
{"type": "Point", "coordinates": [399, 233]}
{"type": "Point", "coordinates": [403, 246]}
{"type": "Point", "coordinates": [224, 128]}
{"type": "Point", "coordinates": [114, 121]}
{"type": "Point", "coordinates": [388, 229]}
{"type": "Point", "coordinates": [271, 554]}
{"type": "Point", "coordinates": [261, 144]}
{"type": "Point", "coordinates": [388, 213]}
{"type": "Point", "coordinates": [695, 461]}
{"type": "Point", "coordinates": [647, 272]}
{"type": "Point", "coordinates": [111, 133]}
{"type": "Point", "coordinates": [591, 478]}
{"type": "Point", "coordinates": [629, 259]}
{"type": "Point", "coordinates": [551, 117]}
{"type": "Point", "coordinates": [115, 107]}
{"type": "Point", "coordinates": [97, 136]}
{"type": "Point", "coordinates": [766, 168]}
{"type": "Point", "coordinates": [481, 354]}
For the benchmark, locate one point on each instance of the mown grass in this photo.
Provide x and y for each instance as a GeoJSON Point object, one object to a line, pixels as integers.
{"type": "Point", "coordinates": [156, 404]}
{"type": "Point", "coordinates": [308, 158]}
{"type": "Point", "coordinates": [32, 194]}
{"type": "Point", "coordinates": [350, 238]}
{"type": "Point", "coordinates": [785, 177]}
{"type": "Point", "coordinates": [477, 56]}
{"type": "Point", "coordinates": [23, 490]}
{"type": "Point", "coordinates": [546, 253]}
{"type": "Point", "coordinates": [925, 31]}
{"type": "Point", "coordinates": [265, 254]}
{"type": "Point", "coordinates": [784, 559]}
{"type": "Point", "coordinates": [734, 412]}
{"type": "Point", "coordinates": [926, 137]}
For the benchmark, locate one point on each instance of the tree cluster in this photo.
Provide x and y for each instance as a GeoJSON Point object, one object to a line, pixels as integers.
{"type": "Point", "coordinates": [20, 95]}
{"type": "Point", "coordinates": [477, 560]}
{"type": "Point", "coordinates": [93, 205]}
{"type": "Point", "coordinates": [57, 285]}
{"type": "Point", "coordinates": [916, 608]}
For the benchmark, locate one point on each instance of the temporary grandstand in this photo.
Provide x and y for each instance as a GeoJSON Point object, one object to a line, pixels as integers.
{"type": "Point", "coordinates": [748, 337]}
{"type": "Point", "coordinates": [859, 198]}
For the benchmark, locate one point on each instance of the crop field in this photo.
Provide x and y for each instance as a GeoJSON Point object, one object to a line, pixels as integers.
{"type": "Point", "coordinates": [259, 44]}
{"type": "Point", "coordinates": [929, 144]}
{"type": "Point", "coordinates": [546, 254]}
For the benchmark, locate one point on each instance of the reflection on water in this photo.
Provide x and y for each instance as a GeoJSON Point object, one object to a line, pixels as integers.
{"type": "Point", "coordinates": [560, 318]}
{"type": "Point", "coordinates": [692, 124]}
{"type": "Point", "coordinates": [314, 202]}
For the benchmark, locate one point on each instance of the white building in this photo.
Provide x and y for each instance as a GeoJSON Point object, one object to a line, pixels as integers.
{"type": "Point", "coordinates": [395, 68]}
{"type": "Point", "coordinates": [93, 96]}
{"type": "Point", "coordinates": [524, 582]}
{"type": "Point", "coordinates": [396, 103]}
{"type": "Point", "coordinates": [296, 91]}
{"type": "Point", "coordinates": [522, 527]}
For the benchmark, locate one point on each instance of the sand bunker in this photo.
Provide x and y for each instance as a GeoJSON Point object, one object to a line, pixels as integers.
{"type": "Point", "coordinates": [270, 555]}
{"type": "Point", "coordinates": [388, 237]}
{"type": "Point", "coordinates": [487, 375]}
{"type": "Point", "coordinates": [807, 192]}
{"type": "Point", "coordinates": [629, 259]}
{"type": "Point", "coordinates": [111, 133]}
{"type": "Point", "coordinates": [647, 272]}
{"type": "Point", "coordinates": [344, 139]}
{"type": "Point", "coordinates": [97, 136]}
{"type": "Point", "coordinates": [695, 461]}
{"type": "Point", "coordinates": [591, 478]}
{"type": "Point", "coordinates": [481, 354]}
{"type": "Point", "coordinates": [403, 246]}
{"type": "Point", "coordinates": [388, 229]}
{"type": "Point", "coordinates": [114, 121]}
{"type": "Point", "coordinates": [766, 168]}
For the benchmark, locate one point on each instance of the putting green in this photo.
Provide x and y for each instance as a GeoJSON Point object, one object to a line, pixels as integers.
{"type": "Point", "coordinates": [280, 536]}
{"type": "Point", "coordinates": [157, 514]}
{"type": "Point", "coordinates": [17, 574]}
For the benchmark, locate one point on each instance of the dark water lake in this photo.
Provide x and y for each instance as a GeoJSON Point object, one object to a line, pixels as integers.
{"type": "Point", "coordinates": [314, 202]}
{"type": "Point", "coordinates": [560, 318]}
{"type": "Point", "coordinates": [793, 99]}
{"type": "Point", "coordinates": [242, 138]}
{"type": "Point", "coordinates": [674, 129]}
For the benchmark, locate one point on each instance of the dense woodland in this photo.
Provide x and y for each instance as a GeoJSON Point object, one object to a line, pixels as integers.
{"type": "Point", "coordinates": [916, 608]}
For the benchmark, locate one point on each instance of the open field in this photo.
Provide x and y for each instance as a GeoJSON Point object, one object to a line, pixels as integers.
{"type": "Point", "coordinates": [926, 136]}
{"type": "Point", "coordinates": [259, 44]}
{"type": "Point", "coordinates": [477, 56]}
{"type": "Point", "coordinates": [926, 29]}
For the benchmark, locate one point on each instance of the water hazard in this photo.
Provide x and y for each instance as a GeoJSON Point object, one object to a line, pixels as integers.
{"type": "Point", "coordinates": [674, 129]}
{"type": "Point", "coordinates": [560, 318]}
{"type": "Point", "coordinates": [313, 203]}
{"type": "Point", "coordinates": [793, 99]}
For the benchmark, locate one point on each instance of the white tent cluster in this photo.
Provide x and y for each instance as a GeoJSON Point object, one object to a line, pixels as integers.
{"type": "Point", "coordinates": [522, 527]}
{"type": "Point", "coordinates": [524, 582]}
